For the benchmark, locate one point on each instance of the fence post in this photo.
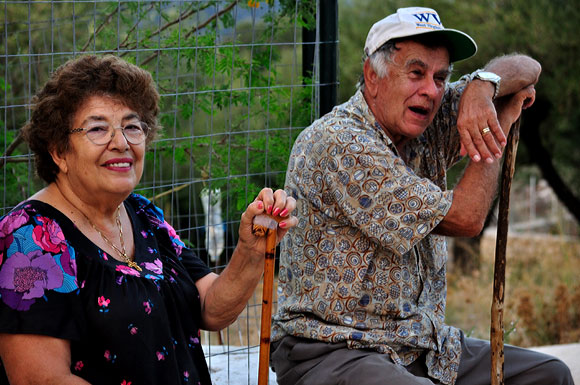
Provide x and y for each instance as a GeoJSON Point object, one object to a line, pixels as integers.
{"type": "Point", "coordinates": [328, 54]}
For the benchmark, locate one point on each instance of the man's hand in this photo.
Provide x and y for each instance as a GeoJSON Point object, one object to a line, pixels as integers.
{"type": "Point", "coordinates": [477, 123]}
{"type": "Point", "coordinates": [476, 113]}
{"type": "Point", "coordinates": [509, 108]}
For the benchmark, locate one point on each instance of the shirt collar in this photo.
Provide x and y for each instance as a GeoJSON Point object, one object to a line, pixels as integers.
{"type": "Point", "coordinates": [359, 102]}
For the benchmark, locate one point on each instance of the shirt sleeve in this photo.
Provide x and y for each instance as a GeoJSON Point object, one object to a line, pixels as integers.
{"type": "Point", "coordinates": [38, 284]}
{"type": "Point", "coordinates": [167, 236]}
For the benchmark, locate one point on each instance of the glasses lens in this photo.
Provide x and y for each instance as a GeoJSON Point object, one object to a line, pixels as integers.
{"type": "Point", "coordinates": [99, 134]}
{"type": "Point", "coordinates": [135, 133]}
{"type": "Point", "coordinates": [102, 133]}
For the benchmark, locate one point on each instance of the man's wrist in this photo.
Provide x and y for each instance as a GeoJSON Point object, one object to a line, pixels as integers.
{"type": "Point", "coordinates": [484, 87]}
{"type": "Point", "coordinates": [490, 77]}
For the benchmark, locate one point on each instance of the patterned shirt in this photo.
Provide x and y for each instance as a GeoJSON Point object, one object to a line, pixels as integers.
{"type": "Point", "coordinates": [363, 265]}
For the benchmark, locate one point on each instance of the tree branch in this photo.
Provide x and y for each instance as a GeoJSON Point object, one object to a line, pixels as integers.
{"type": "Point", "coordinates": [100, 28]}
{"type": "Point", "coordinates": [15, 143]}
{"type": "Point", "coordinates": [201, 26]}
{"type": "Point", "coordinates": [182, 16]}
{"type": "Point", "coordinates": [130, 31]}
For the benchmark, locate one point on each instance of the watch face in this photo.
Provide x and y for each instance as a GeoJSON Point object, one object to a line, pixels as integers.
{"type": "Point", "coordinates": [489, 76]}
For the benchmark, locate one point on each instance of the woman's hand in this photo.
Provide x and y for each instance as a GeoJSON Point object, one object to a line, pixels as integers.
{"type": "Point", "coordinates": [277, 204]}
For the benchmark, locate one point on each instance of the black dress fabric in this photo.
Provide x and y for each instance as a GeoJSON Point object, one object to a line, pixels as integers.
{"type": "Point", "coordinates": [125, 326]}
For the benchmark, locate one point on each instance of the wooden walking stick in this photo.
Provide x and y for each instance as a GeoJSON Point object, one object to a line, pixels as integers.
{"type": "Point", "coordinates": [265, 225]}
{"type": "Point", "coordinates": [496, 331]}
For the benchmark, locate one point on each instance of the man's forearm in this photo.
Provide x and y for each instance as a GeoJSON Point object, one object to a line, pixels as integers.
{"type": "Point", "coordinates": [516, 72]}
{"type": "Point", "coordinates": [472, 198]}
{"type": "Point", "coordinates": [476, 189]}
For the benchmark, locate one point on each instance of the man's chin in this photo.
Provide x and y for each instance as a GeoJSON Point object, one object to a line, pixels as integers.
{"type": "Point", "coordinates": [416, 130]}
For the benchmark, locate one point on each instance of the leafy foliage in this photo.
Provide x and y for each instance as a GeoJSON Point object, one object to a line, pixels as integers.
{"type": "Point", "coordinates": [232, 99]}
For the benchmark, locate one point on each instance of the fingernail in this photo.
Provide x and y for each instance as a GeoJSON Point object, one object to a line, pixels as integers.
{"type": "Point", "coordinates": [282, 224]}
{"type": "Point", "coordinates": [284, 213]}
{"type": "Point", "coordinates": [269, 209]}
{"type": "Point", "coordinates": [476, 158]}
{"type": "Point", "coordinates": [260, 205]}
{"type": "Point", "coordinates": [498, 155]}
{"type": "Point", "coordinates": [489, 160]}
{"type": "Point", "coordinates": [276, 211]}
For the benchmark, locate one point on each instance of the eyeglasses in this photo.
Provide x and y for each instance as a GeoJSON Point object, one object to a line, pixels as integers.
{"type": "Point", "coordinates": [102, 133]}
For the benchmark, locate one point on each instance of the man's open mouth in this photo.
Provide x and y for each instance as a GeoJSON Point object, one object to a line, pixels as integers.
{"type": "Point", "coordinates": [419, 110]}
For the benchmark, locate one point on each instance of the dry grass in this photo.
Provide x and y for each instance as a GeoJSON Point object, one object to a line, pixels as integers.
{"type": "Point", "coordinates": [542, 300]}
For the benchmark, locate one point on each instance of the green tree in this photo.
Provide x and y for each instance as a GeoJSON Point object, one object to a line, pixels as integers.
{"type": "Point", "coordinates": [547, 31]}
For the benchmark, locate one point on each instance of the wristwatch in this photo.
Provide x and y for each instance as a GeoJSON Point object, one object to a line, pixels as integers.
{"type": "Point", "coordinates": [487, 77]}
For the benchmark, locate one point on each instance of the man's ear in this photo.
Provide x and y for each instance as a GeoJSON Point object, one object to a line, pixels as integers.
{"type": "Point", "coordinates": [371, 79]}
{"type": "Point", "coordinates": [59, 159]}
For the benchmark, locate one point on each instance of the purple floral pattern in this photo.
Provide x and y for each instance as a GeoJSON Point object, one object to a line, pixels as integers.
{"type": "Point", "coordinates": [29, 269]}
{"type": "Point", "coordinates": [28, 276]}
{"type": "Point", "coordinates": [156, 267]}
{"type": "Point", "coordinates": [12, 221]}
{"type": "Point", "coordinates": [156, 218]}
{"type": "Point", "coordinates": [56, 282]}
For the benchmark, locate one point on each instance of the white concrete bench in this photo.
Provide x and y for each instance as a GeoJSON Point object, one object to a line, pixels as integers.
{"type": "Point", "coordinates": [569, 353]}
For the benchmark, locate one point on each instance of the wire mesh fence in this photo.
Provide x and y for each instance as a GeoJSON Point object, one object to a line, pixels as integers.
{"type": "Point", "coordinates": [235, 92]}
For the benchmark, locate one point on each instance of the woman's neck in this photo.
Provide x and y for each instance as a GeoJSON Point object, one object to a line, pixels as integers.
{"type": "Point", "coordinates": [100, 211]}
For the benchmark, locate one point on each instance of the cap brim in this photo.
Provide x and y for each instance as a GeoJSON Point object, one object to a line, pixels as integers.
{"type": "Point", "coordinates": [460, 45]}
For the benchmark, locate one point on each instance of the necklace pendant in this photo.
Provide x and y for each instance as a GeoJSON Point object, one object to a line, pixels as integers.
{"type": "Point", "coordinates": [134, 265]}
{"type": "Point", "coordinates": [131, 263]}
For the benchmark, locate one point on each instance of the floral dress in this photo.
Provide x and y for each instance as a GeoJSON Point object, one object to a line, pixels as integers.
{"type": "Point", "coordinates": [125, 326]}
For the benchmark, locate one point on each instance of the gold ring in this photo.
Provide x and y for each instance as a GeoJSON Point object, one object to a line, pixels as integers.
{"type": "Point", "coordinates": [486, 130]}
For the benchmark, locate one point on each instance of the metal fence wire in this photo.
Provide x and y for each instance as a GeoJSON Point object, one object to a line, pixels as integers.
{"type": "Point", "coordinates": [238, 81]}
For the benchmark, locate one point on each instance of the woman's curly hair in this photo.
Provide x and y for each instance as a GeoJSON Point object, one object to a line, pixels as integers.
{"type": "Point", "coordinates": [54, 106]}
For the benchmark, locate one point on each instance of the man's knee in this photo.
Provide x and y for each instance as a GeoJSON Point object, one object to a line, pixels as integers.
{"type": "Point", "coordinates": [558, 372]}
{"type": "Point", "coordinates": [552, 371]}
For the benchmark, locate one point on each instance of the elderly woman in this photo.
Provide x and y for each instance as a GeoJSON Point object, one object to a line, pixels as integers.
{"type": "Point", "coordinates": [96, 287]}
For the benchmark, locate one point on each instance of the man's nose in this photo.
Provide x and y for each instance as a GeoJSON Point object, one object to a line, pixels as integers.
{"type": "Point", "coordinates": [430, 88]}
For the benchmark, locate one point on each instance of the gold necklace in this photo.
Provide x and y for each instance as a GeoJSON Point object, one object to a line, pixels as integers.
{"type": "Point", "coordinates": [123, 252]}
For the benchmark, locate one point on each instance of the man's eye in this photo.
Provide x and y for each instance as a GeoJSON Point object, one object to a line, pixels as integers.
{"type": "Point", "coordinates": [417, 74]}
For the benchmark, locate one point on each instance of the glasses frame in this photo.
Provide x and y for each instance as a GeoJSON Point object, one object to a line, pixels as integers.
{"type": "Point", "coordinates": [144, 127]}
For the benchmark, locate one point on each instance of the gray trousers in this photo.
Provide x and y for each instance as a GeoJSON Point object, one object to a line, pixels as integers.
{"type": "Point", "coordinates": [298, 361]}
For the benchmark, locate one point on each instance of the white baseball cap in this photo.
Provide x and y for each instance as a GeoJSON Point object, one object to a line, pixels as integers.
{"type": "Point", "coordinates": [414, 21]}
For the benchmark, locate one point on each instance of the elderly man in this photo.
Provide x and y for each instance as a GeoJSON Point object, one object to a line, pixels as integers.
{"type": "Point", "coordinates": [362, 285]}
